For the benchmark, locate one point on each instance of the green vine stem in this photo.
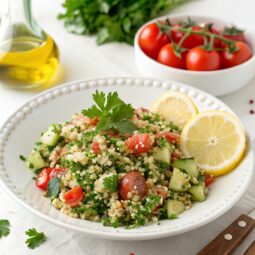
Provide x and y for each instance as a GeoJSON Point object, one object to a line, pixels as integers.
{"type": "Point", "coordinates": [230, 43]}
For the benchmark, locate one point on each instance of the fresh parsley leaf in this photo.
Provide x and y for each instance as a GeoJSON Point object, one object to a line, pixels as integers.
{"type": "Point", "coordinates": [112, 112]}
{"type": "Point", "coordinates": [123, 112]}
{"type": "Point", "coordinates": [111, 183]}
{"type": "Point", "coordinates": [125, 126]}
{"type": "Point", "coordinates": [35, 238]}
{"type": "Point", "coordinates": [4, 228]}
{"type": "Point", "coordinates": [53, 187]}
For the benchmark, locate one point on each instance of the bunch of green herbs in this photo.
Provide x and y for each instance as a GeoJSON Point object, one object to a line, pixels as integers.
{"type": "Point", "coordinates": [112, 20]}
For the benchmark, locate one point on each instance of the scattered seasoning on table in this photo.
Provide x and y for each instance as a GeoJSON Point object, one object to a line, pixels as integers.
{"type": "Point", "coordinates": [132, 253]}
{"type": "Point", "coordinates": [251, 101]}
{"type": "Point", "coordinates": [251, 112]}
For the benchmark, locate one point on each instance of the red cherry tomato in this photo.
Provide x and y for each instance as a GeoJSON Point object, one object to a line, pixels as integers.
{"type": "Point", "coordinates": [170, 136]}
{"type": "Point", "coordinates": [199, 59]}
{"type": "Point", "coordinates": [133, 182]}
{"type": "Point", "coordinates": [57, 171]}
{"type": "Point", "coordinates": [151, 41]}
{"type": "Point", "coordinates": [43, 178]}
{"type": "Point", "coordinates": [208, 180]}
{"type": "Point", "coordinates": [96, 148]}
{"type": "Point", "coordinates": [191, 41]}
{"type": "Point", "coordinates": [238, 37]}
{"type": "Point", "coordinates": [74, 196]}
{"type": "Point", "coordinates": [138, 143]}
{"type": "Point", "coordinates": [168, 57]}
{"type": "Point", "coordinates": [237, 57]}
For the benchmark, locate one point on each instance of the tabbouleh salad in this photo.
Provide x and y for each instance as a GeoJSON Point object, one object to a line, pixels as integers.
{"type": "Point", "coordinates": [116, 165]}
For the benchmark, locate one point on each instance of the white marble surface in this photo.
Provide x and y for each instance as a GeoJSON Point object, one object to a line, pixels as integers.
{"type": "Point", "coordinates": [82, 59]}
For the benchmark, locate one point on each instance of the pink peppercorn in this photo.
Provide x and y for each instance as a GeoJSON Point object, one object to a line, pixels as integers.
{"type": "Point", "coordinates": [251, 112]}
{"type": "Point", "coordinates": [251, 101]}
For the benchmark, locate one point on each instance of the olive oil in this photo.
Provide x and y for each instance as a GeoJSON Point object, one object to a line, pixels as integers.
{"type": "Point", "coordinates": [27, 61]}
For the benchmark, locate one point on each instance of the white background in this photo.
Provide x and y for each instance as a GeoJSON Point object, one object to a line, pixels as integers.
{"type": "Point", "coordinates": [82, 59]}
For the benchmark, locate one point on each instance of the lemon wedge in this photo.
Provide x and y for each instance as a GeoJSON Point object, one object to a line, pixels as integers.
{"type": "Point", "coordinates": [215, 139]}
{"type": "Point", "coordinates": [175, 107]}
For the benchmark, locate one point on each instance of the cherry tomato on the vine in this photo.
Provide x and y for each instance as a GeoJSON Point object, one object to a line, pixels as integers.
{"type": "Point", "coordinates": [168, 57]}
{"type": "Point", "coordinates": [242, 54]}
{"type": "Point", "coordinates": [199, 59]}
{"type": "Point", "coordinates": [151, 40]}
{"type": "Point", "coordinates": [191, 41]}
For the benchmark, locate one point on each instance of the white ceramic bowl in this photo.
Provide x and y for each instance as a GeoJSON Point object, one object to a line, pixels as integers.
{"type": "Point", "coordinates": [24, 126]}
{"type": "Point", "coordinates": [217, 83]}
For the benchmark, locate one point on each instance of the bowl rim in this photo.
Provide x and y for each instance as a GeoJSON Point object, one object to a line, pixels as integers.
{"type": "Point", "coordinates": [8, 126]}
{"type": "Point", "coordinates": [184, 71]}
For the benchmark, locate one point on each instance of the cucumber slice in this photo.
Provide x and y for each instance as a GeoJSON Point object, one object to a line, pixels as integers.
{"type": "Point", "coordinates": [50, 137]}
{"type": "Point", "coordinates": [174, 208]}
{"type": "Point", "coordinates": [198, 192]}
{"type": "Point", "coordinates": [179, 181]}
{"type": "Point", "coordinates": [187, 164]}
{"type": "Point", "coordinates": [35, 160]}
{"type": "Point", "coordinates": [162, 154]}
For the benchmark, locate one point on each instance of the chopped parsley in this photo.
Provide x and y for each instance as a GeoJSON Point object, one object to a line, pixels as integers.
{"type": "Point", "coordinates": [111, 183]}
{"type": "Point", "coordinates": [35, 238]}
{"type": "Point", "coordinates": [4, 228]}
{"type": "Point", "coordinates": [23, 158]}
{"type": "Point", "coordinates": [151, 203]}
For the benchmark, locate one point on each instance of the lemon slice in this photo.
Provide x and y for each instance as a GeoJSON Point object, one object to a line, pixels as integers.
{"type": "Point", "coordinates": [175, 107]}
{"type": "Point", "coordinates": [215, 139]}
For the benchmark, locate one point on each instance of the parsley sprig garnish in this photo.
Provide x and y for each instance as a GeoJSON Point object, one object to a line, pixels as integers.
{"type": "Point", "coordinates": [112, 112]}
{"type": "Point", "coordinates": [35, 238]}
{"type": "Point", "coordinates": [4, 228]}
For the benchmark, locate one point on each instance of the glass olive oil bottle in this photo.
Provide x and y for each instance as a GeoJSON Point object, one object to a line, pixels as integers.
{"type": "Point", "coordinates": [28, 56]}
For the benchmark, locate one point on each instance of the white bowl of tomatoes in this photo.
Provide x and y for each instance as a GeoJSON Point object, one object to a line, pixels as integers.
{"type": "Point", "coordinates": [207, 53]}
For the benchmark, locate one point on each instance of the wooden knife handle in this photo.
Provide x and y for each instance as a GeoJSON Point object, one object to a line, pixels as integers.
{"type": "Point", "coordinates": [230, 238]}
{"type": "Point", "coordinates": [251, 249]}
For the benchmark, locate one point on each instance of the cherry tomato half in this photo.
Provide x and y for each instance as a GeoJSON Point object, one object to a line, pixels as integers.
{"type": "Point", "coordinates": [43, 178]}
{"type": "Point", "coordinates": [138, 143]}
{"type": "Point", "coordinates": [199, 59]}
{"type": "Point", "coordinates": [237, 57]}
{"type": "Point", "coordinates": [168, 57]}
{"type": "Point", "coordinates": [209, 179]}
{"type": "Point", "coordinates": [191, 41]}
{"type": "Point", "coordinates": [151, 41]}
{"type": "Point", "coordinates": [133, 181]}
{"type": "Point", "coordinates": [74, 196]}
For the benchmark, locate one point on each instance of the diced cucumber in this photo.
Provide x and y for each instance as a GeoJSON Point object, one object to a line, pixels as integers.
{"type": "Point", "coordinates": [50, 137]}
{"type": "Point", "coordinates": [187, 164]}
{"type": "Point", "coordinates": [179, 181]}
{"type": "Point", "coordinates": [198, 192]}
{"type": "Point", "coordinates": [162, 154]}
{"type": "Point", "coordinates": [35, 160]}
{"type": "Point", "coordinates": [174, 208]}
{"type": "Point", "coordinates": [44, 150]}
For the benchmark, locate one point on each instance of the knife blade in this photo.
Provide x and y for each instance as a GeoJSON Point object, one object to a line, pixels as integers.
{"type": "Point", "coordinates": [230, 238]}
